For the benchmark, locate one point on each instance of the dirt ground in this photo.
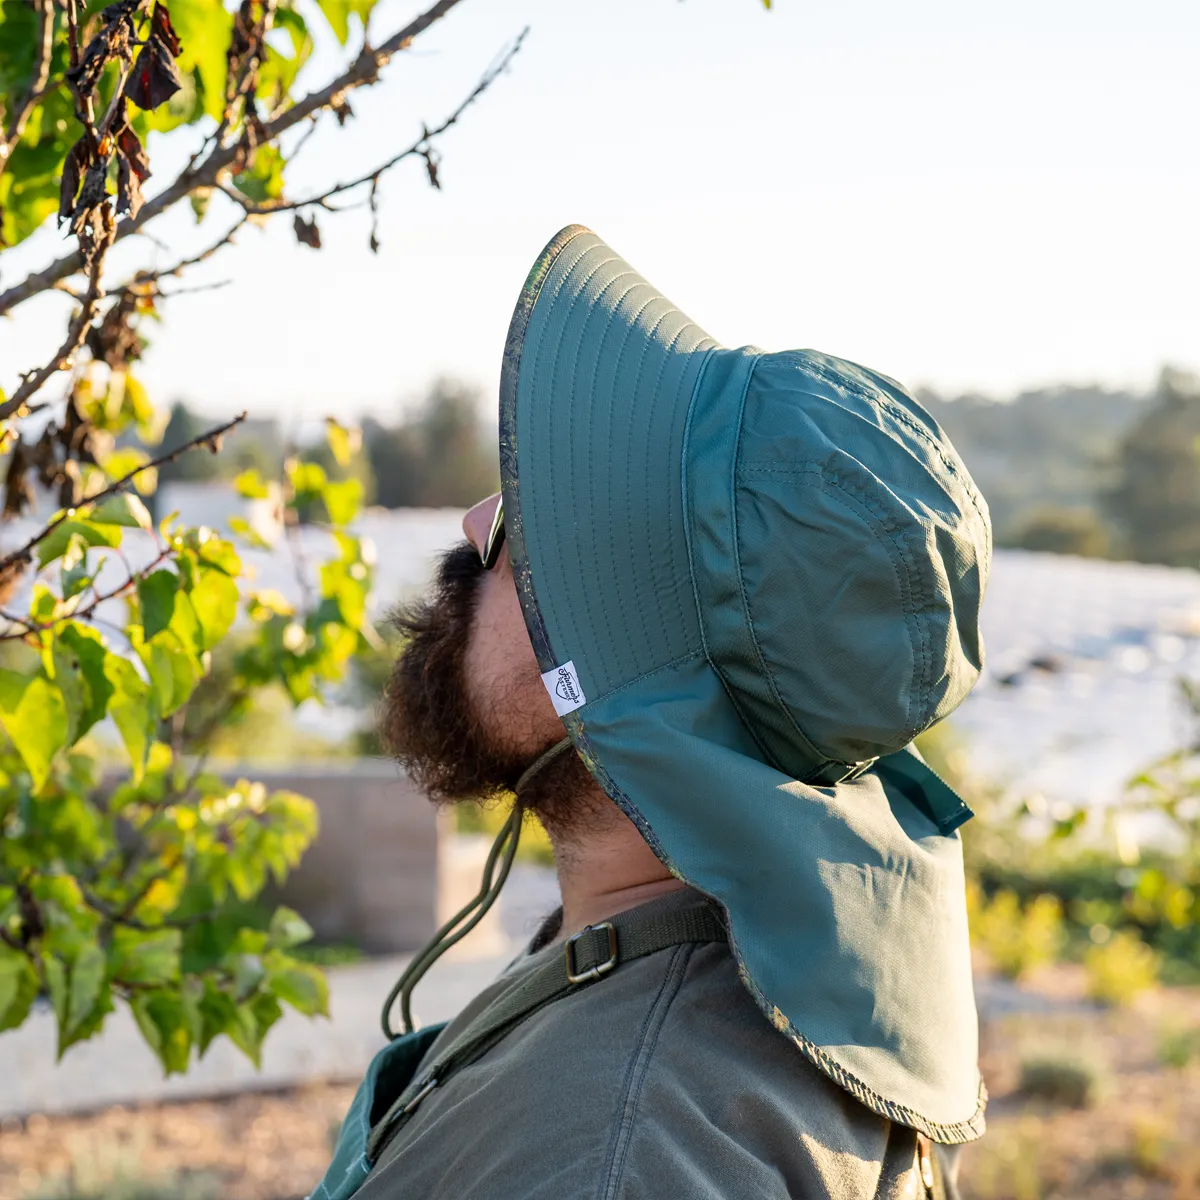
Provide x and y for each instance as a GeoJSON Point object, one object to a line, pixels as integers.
{"type": "Point", "coordinates": [1138, 1138]}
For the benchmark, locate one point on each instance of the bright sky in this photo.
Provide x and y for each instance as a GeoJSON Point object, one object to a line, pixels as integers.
{"type": "Point", "coordinates": [985, 196]}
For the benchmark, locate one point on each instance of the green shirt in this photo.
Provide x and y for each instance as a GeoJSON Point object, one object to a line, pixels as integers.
{"type": "Point", "coordinates": [662, 1080]}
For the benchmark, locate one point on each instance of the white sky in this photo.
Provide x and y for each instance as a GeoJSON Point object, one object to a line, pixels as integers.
{"type": "Point", "coordinates": [967, 195]}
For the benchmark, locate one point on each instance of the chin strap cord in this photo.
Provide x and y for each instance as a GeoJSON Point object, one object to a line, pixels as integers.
{"type": "Point", "coordinates": [495, 871]}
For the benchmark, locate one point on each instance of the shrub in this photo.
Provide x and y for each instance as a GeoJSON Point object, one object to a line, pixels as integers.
{"type": "Point", "coordinates": [1062, 1079]}
{"type": "Point", "coordinates": [1120, 969]}
{"type": "Point", "coordinates": [1015, 937]}
{"type": "Point", "coordinates": [1179, 1047]}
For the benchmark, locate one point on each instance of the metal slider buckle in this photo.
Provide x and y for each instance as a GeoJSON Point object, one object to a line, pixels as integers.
{"type": "Point", "coordinates": [601, 969]}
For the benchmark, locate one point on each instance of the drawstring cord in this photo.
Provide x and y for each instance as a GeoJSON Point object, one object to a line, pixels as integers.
{"type": "Point", "coordinates": [495, 872]}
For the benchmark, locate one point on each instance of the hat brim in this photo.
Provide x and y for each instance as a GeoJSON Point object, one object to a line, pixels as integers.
{"type": "Point", "coordinates": [845, 903]}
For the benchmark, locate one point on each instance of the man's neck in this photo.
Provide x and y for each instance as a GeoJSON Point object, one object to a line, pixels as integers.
{"type": "Point", "coordinates": [604, 867]}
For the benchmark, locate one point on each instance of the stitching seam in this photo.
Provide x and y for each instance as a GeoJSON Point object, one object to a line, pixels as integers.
{"type": "Point", "coordinates": [635, 1076]}
{"type": "Point", "coordinates": [911, 591]}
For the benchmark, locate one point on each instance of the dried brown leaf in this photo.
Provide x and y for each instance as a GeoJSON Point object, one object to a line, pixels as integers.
{"type": "Point", "coordinates": [307, 232]}
{"type": "Point", "coordinates": [155, 78]}
{"type": "Point", "coordinates": [130, 145]}
{"type": "Point", "coordinates": [68, 186]}
{"type": "Point", "coordinates": [129, 188]}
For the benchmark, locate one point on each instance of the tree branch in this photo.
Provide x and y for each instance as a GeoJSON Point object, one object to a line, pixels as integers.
{"type": "Point", "coordinates": [84, 613]}
{"type": "Point", "coordinates": [364, 71]}
{"type": "Point", "coordinates": [421, 148]}
{"type": "Point", "coordinates": [146, 279]}
{"type": "Point", "coordinates": [77, 330]}
{"type": "Point", "coordinates": [210, 439]}
{"type": "Point", "coordinates": [37, 82]}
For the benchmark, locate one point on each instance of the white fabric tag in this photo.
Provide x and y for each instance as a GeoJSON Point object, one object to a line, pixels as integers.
{"type": "Point", "coordinates": [563, 685]}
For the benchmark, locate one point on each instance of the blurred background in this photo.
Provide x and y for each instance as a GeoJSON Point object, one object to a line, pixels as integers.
{"type": "Point", "coordinates": [995, 205]}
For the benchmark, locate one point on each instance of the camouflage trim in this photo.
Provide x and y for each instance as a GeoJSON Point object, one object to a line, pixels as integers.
{"type": "Point", "coordinates": [510, 372]}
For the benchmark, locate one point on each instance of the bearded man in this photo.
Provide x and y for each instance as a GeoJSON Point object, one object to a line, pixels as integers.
{"type": "Point", "coordinates": [719, 595]}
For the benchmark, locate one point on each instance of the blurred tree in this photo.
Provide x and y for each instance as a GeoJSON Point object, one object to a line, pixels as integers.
{"type": "Point", "coordinates": [438, 457]}
{"type": "Point", "coordinates": [1065, 531]}
{"type": "Point", "coordinates": [182, 427]}
{"type": "Point", "coordinates": [1050, 448]}
{"type": "Point", "coordinates": [1157, 498]}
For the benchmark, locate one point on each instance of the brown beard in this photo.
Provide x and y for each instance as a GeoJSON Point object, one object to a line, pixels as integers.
{"type": "Point", "coordinates": [429, 725]}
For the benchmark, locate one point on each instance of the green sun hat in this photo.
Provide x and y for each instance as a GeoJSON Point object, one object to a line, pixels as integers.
{"type": "Point", "coordinates": [751, 580]}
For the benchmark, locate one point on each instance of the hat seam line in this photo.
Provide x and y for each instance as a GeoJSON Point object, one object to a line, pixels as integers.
{"type": "Point", "coordinates": [576, 390]}
{"type": "Point", "coordinates": [730, 690]}
{"type": "Point", "coordinates": [553, 300]}
{"type": "Point", "coordinates": [748, 617]}
{"type": "Point", "coordinates": [667, 666]}
{"type": "Point", "coordinates": [909, 592]}
{"type": "Point", "coordinates": [604, 608]}
{"type": "Point", "coordinates": [817, 367]}
{"type": "Point", "coordinates": [663, 359]}
{"type": "Point", "coordinates": [621, 601]}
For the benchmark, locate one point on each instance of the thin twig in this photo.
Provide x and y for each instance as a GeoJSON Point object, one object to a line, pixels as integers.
{"type": "Point", "coordinates": [85, 613]}
{"type": "Point", "coordinates": [209, 439]}
{"type": "Point", "coordinates": [76, 332]}
{"type": "Point", "coordinates": [363, 72]}
{"type": "Point", "coordinates": [145, 279]}
{"type": "Point", "coordinates": [37, 82]}
{"type": "Point", "coordinates": [421, 148]}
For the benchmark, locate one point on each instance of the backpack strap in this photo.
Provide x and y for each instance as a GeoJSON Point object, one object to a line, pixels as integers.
{"type": "Point", "coordinates": [587, 957]}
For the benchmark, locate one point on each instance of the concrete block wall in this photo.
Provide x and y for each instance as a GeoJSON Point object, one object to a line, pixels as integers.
{"type": "Point", "coordinates": [386, 868]}
{"type": "Point", "coordinates": [371, 875]}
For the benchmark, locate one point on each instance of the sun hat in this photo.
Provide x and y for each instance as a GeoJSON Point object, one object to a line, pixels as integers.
{"type": "Point", "coordinates": [751, 579]}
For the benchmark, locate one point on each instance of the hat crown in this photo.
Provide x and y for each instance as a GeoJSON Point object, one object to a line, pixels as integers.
{"type": "Point", "coordinates": [844, 565]}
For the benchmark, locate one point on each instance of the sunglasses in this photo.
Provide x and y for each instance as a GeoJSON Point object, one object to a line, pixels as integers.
{"type": "Point", "coordinates": [495, 538]}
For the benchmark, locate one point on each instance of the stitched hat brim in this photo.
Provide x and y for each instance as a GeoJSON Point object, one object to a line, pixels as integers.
{"type": "Point", "coordinates": [845, 903]}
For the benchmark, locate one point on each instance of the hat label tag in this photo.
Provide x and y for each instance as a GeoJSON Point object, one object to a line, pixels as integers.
{"type": "Point", "coordinates": [563, 685]}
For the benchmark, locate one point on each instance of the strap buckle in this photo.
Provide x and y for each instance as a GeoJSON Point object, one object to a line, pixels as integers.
{"type": "Point", "coordinates": [576, 976]}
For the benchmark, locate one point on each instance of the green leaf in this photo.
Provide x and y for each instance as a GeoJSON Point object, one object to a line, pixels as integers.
{"type": "Point", "coordinates": [80, 650]}
{"type": "Point", "coordinates": [122, 509]}
{"type": "Point", "coordinates": [18, 987]}
{"type": "Point", "coordinates": [163, 1020]}
{"type": "Point", "coordinates": [215, 551]}
{"type": "Point", "coordinates": [173, 669]}
{"type": "Point", "coordinates": [288, 929]}
{"type": "Point", "coordinates": [204, 28]}
{"type": "Point", "coordinates": [344, 442]}
{"type": "Point", "coordinates": [121, 462]}
{"type": "Point", "coordinates": [214, 597]}
{"type": "Point", "coordinates": [307, 480]}
{"type": "Point", "coordinates": [55, 975]}
{"type": "Point", "coordinates": [133, 710]}
{"type": "Point", "coordinates": [253, 1020]}
{"type": "Point", "coordinates": [246, 531]}
{"type": "Point", "coordinates": [34, 715]}
{"type": "Point", "coordinates": [86, 980]}
{"type": "Point", "coordinates": [156, 594]}
{"type": "Point", "coordinates": [338, 12]}
{"type": "Point", "coordinates": [76, 575]}
{"type": "Point", "coordinates": [218, 1015]}
{"type": "Point", "coordinates": [263, 180]}
{"type": "Point", "coordinates": [343, 500]}
{"type": "Point", "coordinates": [144, 958]}
{"type": "Point", "coordinates": [185, 625]}
{"type": "Point", "coordinates": [251, 485]}
{"type": "Point", "coordinates": [58, 541]}
{"type": "Point", "coordinates": [248, 973]}
{"type": "Point", "coordinates": [303, 986]}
